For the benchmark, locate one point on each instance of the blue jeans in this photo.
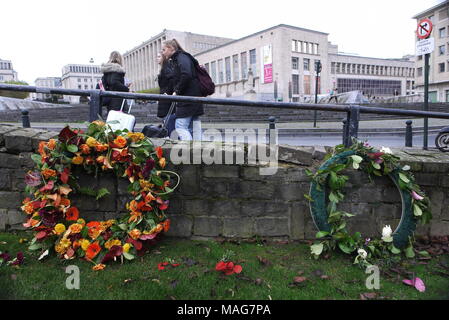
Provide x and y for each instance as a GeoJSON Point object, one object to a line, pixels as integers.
{"type": "Point", "coordinates": [188, 128]}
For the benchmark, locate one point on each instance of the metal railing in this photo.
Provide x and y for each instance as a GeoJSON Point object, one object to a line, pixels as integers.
{"type": "Point", "coordinates": [350, 129]}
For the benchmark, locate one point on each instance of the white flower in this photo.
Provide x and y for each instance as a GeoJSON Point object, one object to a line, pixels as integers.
{"type": "Point", "coordinates": [386, 234]}
{"type": "Point", "coordinates": [362, 253]}
{"type": "Point", "coordinates": [406, 168]}
{"type": "Point", "coordinates": [386, 150]}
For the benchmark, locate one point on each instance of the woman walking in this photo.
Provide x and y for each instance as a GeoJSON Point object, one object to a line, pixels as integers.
{"type": "Point", "coordinates": [114, 80]}
{"type": "Point", "coordinates": [185, 83]}
{"type": "Point", "coordinates": [165, 80]}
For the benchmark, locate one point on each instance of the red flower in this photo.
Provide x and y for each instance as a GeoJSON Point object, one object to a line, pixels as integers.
{"type": "Point", "coordinates": [162, 265]}
{"type": "Point", "coordinates": [159, 152]}
{"type": "Point", "coordinates": [65, 175]}
{"type": "Point", "coordinates": [93, 250]}
{"type": "Point", "coordinates": [72, 214]}
{"type": "Point", "coordinates": [228, 268]}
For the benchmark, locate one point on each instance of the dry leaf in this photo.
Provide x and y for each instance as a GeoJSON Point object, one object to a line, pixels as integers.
{"type": "Point", "coordinates": [299, 279]}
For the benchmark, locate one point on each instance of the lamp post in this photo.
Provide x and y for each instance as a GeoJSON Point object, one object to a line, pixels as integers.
{"type": "Point", "coordinates": [92, 72]}
{"type": "Point", "coordinates": [318, 71]}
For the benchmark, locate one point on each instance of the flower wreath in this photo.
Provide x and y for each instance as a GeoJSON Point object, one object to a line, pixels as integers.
{"type": "Point", "coordinates": [327, 184]}
{"type": "Point", "coordinates": [58, 224]}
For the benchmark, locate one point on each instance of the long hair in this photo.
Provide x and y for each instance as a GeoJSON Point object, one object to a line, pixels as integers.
{"type": "Point", "coordinates": [174, 44]}
{"type": "Point", "coordinates": [116, 57]}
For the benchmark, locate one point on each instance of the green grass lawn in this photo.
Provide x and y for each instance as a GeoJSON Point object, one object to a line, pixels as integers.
{"type": "Point", "coordinates": [268, 272]}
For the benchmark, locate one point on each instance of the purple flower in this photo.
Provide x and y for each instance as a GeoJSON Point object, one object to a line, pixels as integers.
{"type": "Point", "coordinates": [18, 260]}
{"type": "Point", "coordinates": [416, 196]}
{"type": "Point", "coordinates": [149, 165]}
{"type": "Point", "coordinates": [367, 241]}
{"type": "Point", "coordinates": [5, 256]}
{"type": "Point", "coordinates": [33, 179]}
{"type": "Point", "coordinates": [50, 218]}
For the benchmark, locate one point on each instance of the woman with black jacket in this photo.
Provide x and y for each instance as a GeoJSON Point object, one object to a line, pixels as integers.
{"type": "Point", "coordinates": [165, 80]}
{"type": "Point", "coordinates": [185, 84]}
{"type": "Point", "coordinates": [114, 80]}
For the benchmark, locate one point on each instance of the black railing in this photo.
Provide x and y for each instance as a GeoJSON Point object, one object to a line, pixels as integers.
{"type": "Point", "coordinates": [350, 129]}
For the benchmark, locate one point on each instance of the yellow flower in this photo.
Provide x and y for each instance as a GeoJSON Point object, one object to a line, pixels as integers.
{"type": "Point", "coordinates": [85, 244]}
{"type": "Point", "coordinates": [112, 242]}
{"type": "Point", "coordinates": [77, 160]}
{"type": "Point", "coordinates": [99, 123]}
{"type": "Point", "coordinates": [135, 234]}
{"type": "Point", "coordinates": [98, 267]}
{"type": "Point", "coordinates": [126, 247]}
{"type": "Point", "coordinates": [76, 228]}
{"type": "Point", "coordinates": [59, 228]}
{"type": "Point", "coordinates": [162, 162]}
{"type": "Point", "coordinates": [63, 245]}
{"type": "Point", "coordinates": [136, 136]}
{"type": "Point", "coordinates": [81, 221]}
{"type": "Point", "coordinates": [91, 142]}
{"type": "Point", "coordinates": [59, 248]}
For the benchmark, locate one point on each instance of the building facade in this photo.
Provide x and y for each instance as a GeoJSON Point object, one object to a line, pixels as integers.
{"type": "Point", "coordinates": [141, 62]}
{"type": "Point", "coordinates": [47, 82]}
{"type": "Point", "coordinates": [7, 72]}
{"type": "Point", "coordinates": [439, 58]}
{"type": "Point", "coordinates": [283, 60]}
{"type": "Point", "coordinates": [79, 76]}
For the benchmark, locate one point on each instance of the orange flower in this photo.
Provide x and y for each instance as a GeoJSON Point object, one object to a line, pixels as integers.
{"type": "Point", "coordinates": [28, 208]}
{"type": "Point", "coordinates": [89, 160]}
{"type": "Point", "coordinates": [85, 149]}
{"type": "Point", "coordinates": [134, 216]}
{"type": "Point", "coordinates": [94, 229]}
{"type": "Point", "coordinates": [166, 225]}
{"type": "Point", "coordinates": [162, 162]}
{"type": "Point", "coordinates": [120, 142]}
{"type": "Point", "coordinates": [99, 123]}
{"type": "Point", "coordinates": [75, 228]}
{"type": "Point", "coordinates": [93, 250]}
{"type": "Point", "coordinates": [100, 159]}
{"type": "Point", "coordinates": [135, 234]}
{"type": "Point", "coordinates": [101, 147]}
{"type": "Point", "coordinates": [64, 190]}
{"type": "Point", "coordinates": [98, 267]}
{"type": "Point", "coordinates": [159, 152]}
{"type": "Point", "coordinates": [47, 173]}
{"type": "Point", "coordinates": [135, 136]}
{"type": "Point", "coordinates": [41, 148]}
{"type": "Point", "coordinates": [64, 202]}
{"type": "Point", "coordinates": [72, 214]}
{"type": "Point", "coordinates": [51, 144]}
{"type": "Point", "coordinates": [77, 160]}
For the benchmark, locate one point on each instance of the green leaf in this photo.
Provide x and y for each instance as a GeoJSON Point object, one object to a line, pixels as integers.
{"type": "Point", "coordinates": [85, 232]}
{"type": "Point", "coordinates": [424, 253]}
{"type": "Point", "coordinates": [355, 165]}
{"type": "Point", "coordinates": [409, 253]}
{"type": "Point", "coordinates": [36, 158]}
{"type": "Point", "coordinates": [417, 210]}
{"type": "Point", "coordinates": [321, 234]}
{"type": "Point", "coordinates": [333, 197]}
{"type": "Point", "coordinates": [356, 159]}
{"type": "Point", "coordinates": [123, 226]}
{"type": "Point", "coordinates": [345, 248]}
{"type": "Point", "coordinates": [316, 249]}
{"type": "Point", "coordinates": [72, 148]}
{"type": "Point", "coordinates": [102, 192]}
{"type": "Point", "coordinates": [403, 177]}
{"type": "Point", "coordinates": [157, 180]}
{"type": "Point", "coordinates": [35, 246]}
{"type": "Point", "coordinates": [308, 197]}
{"type": "Point", "coordinates": [395, 250]}
{"type": "Point", "coordinates": [128, 256]}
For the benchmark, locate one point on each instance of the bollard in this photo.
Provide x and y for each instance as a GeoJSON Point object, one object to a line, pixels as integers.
{"type": "Point", "coordinates": [25, 119]}
{"type": "Point", "coordinates": [345, 129]}
{"type": "Point", "coordinates": [408, 134]}
{"type": "Point", "coordinates": [272, 128]}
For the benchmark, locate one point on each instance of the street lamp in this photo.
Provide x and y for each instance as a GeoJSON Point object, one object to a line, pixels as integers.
{"type": "Point", "coordinates": [92, 72]}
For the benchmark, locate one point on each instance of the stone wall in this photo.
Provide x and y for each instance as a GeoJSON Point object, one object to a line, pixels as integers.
{"type": "Point", "coordinates": [236, 200]}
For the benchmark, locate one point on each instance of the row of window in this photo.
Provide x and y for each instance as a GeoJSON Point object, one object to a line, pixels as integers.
{"type": "Point", "coordinates": [370, 87]}
{"type": "Point", "coordinates": [5, 65]}
{"type": "Point", "coordinates": [86, 87]}
{"type": "Point", "coordinates": [441, 50]}
{"type": "Point", "coordinates": [304, 47]}
{"type": "Point", "coordinates": [80, 69]}
{"type": "Point", "coordinates": [88, 79]}
{"type": "Point", "coordinates": [354, 68]}
{"type": "Point", "coordinates": [307, 82]}
{"type": "Point", "coordinates": [203, 45]}
{"type": "Point", "coordinates": [442, 67]}
{"type": "Point", "coordinates": [306, 64]}
{"type": "Point", "coordinates": [232, 68]}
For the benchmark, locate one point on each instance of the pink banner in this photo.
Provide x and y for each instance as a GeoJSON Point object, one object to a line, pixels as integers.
{"type": "Point", "coordinates": [268, 73]}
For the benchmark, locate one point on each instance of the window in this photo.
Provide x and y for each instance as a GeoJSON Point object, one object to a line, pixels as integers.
{"type": "Point", "coordinates": [419, 72]}
{"type": "Point", "coordinates": [244, 65]}
{"type": "Point", "coordinates": [315, 48]}
{"type": "Point", "coordinates": [306, 64]}
{"type": "Point", "coordinates": [235, 67]}
{"type": "Point", "coordinates": [79, 86]}
{"type": "Point", "coordinates": [294, 43]}
{"type": "Point", "coordinates": [310, 48]}
{"type": "Point", "coordinates": [79, 79]}
{"type": "Point", "coordinates": [295, 63]}
{"type": "Point", "coordinates": [441, 50]}
{"type": "Point", "coordinates": [213, 73]}
{"type": "Point", "coordinates": [442, 32]}
{"type": "Point", "coordinates": [85, 80]}
{"type": "Point", "coordinates": [228, 69]}
{"type": "Point", "coordinates": [220, 71]}
{"type": "Point", "coordinates": [304, 47]}
{"type": "Point", "coordinates": [419, 58]}
{"type": "Point", "coordinates": [86, 86]}
{"type": "Point", "coordinates": [253, 61]}
{"type": "Point", "coordinates": [306, 84]}
{"type": "Point", "coordinates": [299, 46]}
{"type": "Point", "coordinates": [441, 67]}
{"type": "Point", "coordinates": [295, 83]}
{"type": "Point", "coordinates": [447, 95]}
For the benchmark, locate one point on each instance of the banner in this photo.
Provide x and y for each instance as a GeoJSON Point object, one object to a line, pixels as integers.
{"type": "Point", "coordinates": [267, 64]}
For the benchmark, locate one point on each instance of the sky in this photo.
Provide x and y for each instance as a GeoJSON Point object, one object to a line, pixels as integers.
{"type": "Point", "coordinates": [40, 37]}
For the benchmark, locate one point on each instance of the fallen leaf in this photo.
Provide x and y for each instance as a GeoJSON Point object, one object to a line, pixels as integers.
{"type": "Point", "coordinates": [417, 283]}
{"type": "Point", "coordinates": [156, 280]}
{"type": "Point", "coordinates": [172, 298]}
{"type": "Point", "coordinates": [258, 281]}
{"type": "Point", "coordinates": [299, 279]}
{"type": "Point", "coordinates": [43, 255]}
{"type": "Point", "coordinates": [263, 261]}
{"type": "Point", "coordinates": [126, 281]}
{"type": "Point", "coordinates": [368, 296]}
{"type": "Point", "coordinates": [269, 297]}
{"type": "Point", "coordinates": [325, 277]}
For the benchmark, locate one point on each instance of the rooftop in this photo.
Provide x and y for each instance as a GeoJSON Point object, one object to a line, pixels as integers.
{"type": "Point", "coordinates": [432, 9]}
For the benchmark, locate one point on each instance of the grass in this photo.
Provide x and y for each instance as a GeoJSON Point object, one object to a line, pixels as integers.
{"type": "Point", "coordinates": [196, 278]}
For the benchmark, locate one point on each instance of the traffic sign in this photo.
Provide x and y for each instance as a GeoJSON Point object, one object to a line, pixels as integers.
{"type": "Point", "coordinates": [424, 29]}
{"type": "Point", "coordinates": [425, 46]}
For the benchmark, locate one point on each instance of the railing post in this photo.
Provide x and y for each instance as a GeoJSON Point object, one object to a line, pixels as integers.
{"type": "Point", "coordinates": [345, 131]}
{"type": "Point", "coordinates": [25, 119]}
{"type": "Point", "coordinates": [272, 130]}
{"type": "Point", "coordinates": [95, 105]}
{"type": "Point", "coordinates": [408, 134]}
{"type": "Point", "coordinates": [353, 124]}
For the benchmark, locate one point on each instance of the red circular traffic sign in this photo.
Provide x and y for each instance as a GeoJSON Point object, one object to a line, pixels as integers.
{"type": "Point", "coordinates": [424, 29]}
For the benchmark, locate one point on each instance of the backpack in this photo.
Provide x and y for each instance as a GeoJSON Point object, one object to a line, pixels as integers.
{"type": "Point", "coordinates": [207, 86]}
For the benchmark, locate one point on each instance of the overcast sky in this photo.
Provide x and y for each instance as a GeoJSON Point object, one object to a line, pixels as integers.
{"type": "Point", "coordinates": [40, 37]}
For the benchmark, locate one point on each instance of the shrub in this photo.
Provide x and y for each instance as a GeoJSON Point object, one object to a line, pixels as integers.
{"type": "Point", "coordinates": [15, 94]}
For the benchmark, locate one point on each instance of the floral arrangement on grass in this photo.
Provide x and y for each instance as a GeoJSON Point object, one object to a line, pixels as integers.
{"type": "Point", "coordinates": [326, 192]}
{"type": "Point", "coordinates": [58, 224]}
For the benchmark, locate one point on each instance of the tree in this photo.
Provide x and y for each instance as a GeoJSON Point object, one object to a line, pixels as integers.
{"type": "Point", "coordinates": [15, 94]}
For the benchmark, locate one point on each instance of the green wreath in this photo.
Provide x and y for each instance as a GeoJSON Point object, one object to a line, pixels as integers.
{"type": "Point", "coordinates": [326, 192]}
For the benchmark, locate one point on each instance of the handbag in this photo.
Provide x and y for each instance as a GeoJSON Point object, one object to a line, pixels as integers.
{"type": "Point", "coordinates": [159, 131]}
{"type": "Point", "coordinates": [118, 120]}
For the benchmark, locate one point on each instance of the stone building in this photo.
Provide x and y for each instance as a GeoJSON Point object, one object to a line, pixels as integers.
{"type": "Point", "coordinates": [46, 82]}
{"type": "Point", "coordinates": [79, 76]}
{"type": "Point", "coordinates": [7, 72]}
{"type": "Point", "coordinates": [282, 61]}
{"type": "Point", "coordinates": [439, 58]}
{"type": "Point", "coordinates": [140, 62]}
